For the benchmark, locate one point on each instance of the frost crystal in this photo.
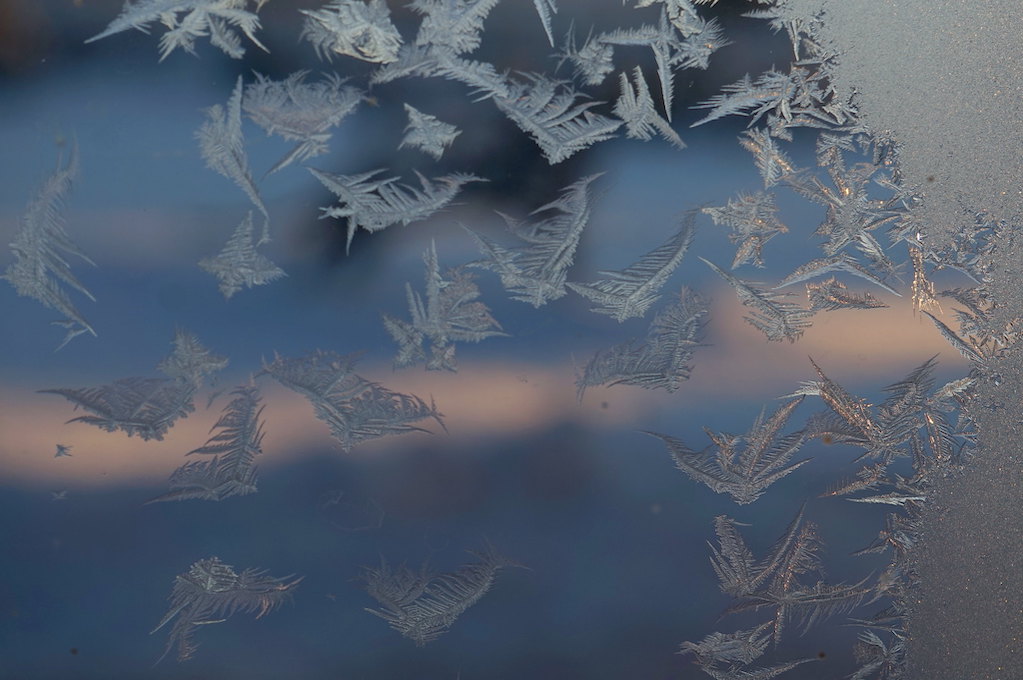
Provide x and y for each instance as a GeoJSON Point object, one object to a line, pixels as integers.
{"type": "Point", "coordinates": [232, 470]}
{"type": "Point", "coordinates": [546, 8]}
{"type": "Point", "coordinates": [217, 19]}
{"type": "Point", "coordinates": [536, 272]}
{"type": "Point", "coordinates": [831, 295]}
{"type": "Point", "coordinates": [299, 111]}
{"type": "Point", "coordinates": [454, 25]}
{"type": "Point", "coordinates": [355, 408]}
{"type": "Point", "coordinates": [422, 606]}
{"type": "Point", "coordinates": [661, 359]}
{"type": "Point", "coordinates": [211, 592]}
{"type": "Point", "coordinates": [775, 581]}
{"type": "Point", "coordinates": [754, 221]}
{"type": "Point", "coordinates": [636, 108]}
{"type": "Point", "coordinates": [630, 292]}
{"type": "Point", "coordinates": [772, 313]}
{"type": "Point", "coordinates": [375, 204]}
{"type": "Point", "coordinates": [353, 28]}
{"type": "Point", "coordinates": [427, 134]}
{"type": "Point", "coordinates": [451, 313]}
{"type": "Point", "coordinates": [239, 265]}
{"type": "Point", "coordinates": [670, 51]}
{"type": "Point", "coordinates": [222, 145]}
{"type": "Point", "coordinates": [743, 473]}
{"type": "Point", "coordinates": [148, 407]}
{"type": "Point", "coordinates": [40, 268]}
{"type": "Point", "coordinates": [548, 111]}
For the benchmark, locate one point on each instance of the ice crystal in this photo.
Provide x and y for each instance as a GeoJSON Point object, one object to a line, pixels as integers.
{"type": "Point", "coordinates": [832, 295]}
{"type": "Point", "coordinates": [211, 592]}
{"type": "Point", "coordinates": [353, 28]}
{"type": "Point", "coordinates": [754, 221]}
{"type": "Point", "coordinates": [40, 269]}
{"type": "Point", "coordinates": [631, 291]}
{"type": "Point", "coordinates": [148, 407]}
{"type": "Point", "coordinates": [299, 111]}
{"type": "Point", "coordinates": [636, 108]}
{"type": "Point", "coordinates": [375, 204]}
{"type": "Point", "coordinates": [238, 265]}
{"type": "Point", "coordinates": [450, 314]}
{"type": "Point", "coordinates": [661, 359]}
{"type": "Point", "coordinates": [223, 146]}
{"type": "Point", "coordinates": [232, 470]}
{"type": "Point", "coordinates": [423, 606]}
{"type": "Point", "coordinates": [772, 313]}
{"type": "Point", "coordinates": [775, 581]}
{"type": "Point", "coordinates": [427, 133]}
{"type": "Point", "coordinates": [670, 51]}
{"type": "Point", "coordinates": [743, 472]}
{"type": "Point", "coordinates": [216, 19]}
{"type": "Point", "coordinates": [536, 272]}
{"type": "Point", "coordinates": [355, 408]}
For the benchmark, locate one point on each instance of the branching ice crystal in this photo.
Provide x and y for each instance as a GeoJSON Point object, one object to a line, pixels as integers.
{"type": "Point", "coordinates": [222, 146]}
{"type": "Point", "coordinates": [299, 111]}
{"type": "Point", "coordinates": [754, 221]}
{"type": "Point", "coordinates": [536, 272]}
{"type": "Point", "coordinates": [238, 265]}
{"type": "Point", "coordinates": [772, 313]}
{"type": "Point", "coordinates": [832, 294]}
{"type": "Point", "coordinates": [355, 408]}
{"type": "Point", "coordinates": [661, 359]}
{"type": "Point", "coordinates": [40, 268]}
{"type": "Point", "coordinates": [423, 606]}
{"type": "Point", "coordinates": [451, 313]}
{"type": "Point", "coordinates": [375, 204]}
{"type": "Point", "coordinates": [427, 133]}
{"type": "Point", "coordinates": [216, 19]}
{"type": "Point", "coordinates": [743, 472]}
{"type": "Point", "coordinates": [212, 592]}
{"type": "Point", "coordinates": [636, 108]}
{"type": "Point", "coordinates": [232, 470]}
{"type": "Point", "coordinates": [631, 291]}
{"type": "Point", "coordinates": [353, 28]}
{"type": "Point", "coordinates": [148, 407]}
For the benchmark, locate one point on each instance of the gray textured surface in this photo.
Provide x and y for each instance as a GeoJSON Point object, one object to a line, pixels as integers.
{"type": "Point", "coordinates": [947, 79]}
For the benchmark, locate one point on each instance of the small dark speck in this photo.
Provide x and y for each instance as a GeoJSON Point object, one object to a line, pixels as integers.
{"type": "Point", "coordinates": [74, 650]}
{"type": "Point", "coordinates": [603, 405]}
{"type": "Point", "coordinates": [821, 655]}
{"type": "Point", "coordinates": [930, 178]}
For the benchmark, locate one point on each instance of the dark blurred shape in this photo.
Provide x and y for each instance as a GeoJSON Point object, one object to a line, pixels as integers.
{"type": "Point", "coordinates": [25, 36]}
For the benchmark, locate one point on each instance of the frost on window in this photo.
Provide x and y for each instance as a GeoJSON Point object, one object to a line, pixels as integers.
{"type": "Point", "coordinates": [451, 313]}
{"type": "Point", "coordinates": [355, 408]}
{"type": "Point", "coordinates": [238, 265]}
{"type": "Point", "coordinates": [222, 145]}
{"type": "Point", "coordinates": [427, 133]}
{"type": "Point", "coordinates": [374, 204]}
{"type": "Point", "coordinates": [148, 407]}
{"type": "Point", "coordinates": [353, 28]}
{"type": "Point", "coordinates": [743, 466]}
{"type": "Point", "coordinates": [421, 605]}
{"type": "Point", "coordinates": [630, 292]}
{"type": "Point", "coordinates": [231, 471]}
{"type": "Point", "coordinates": [830, 208]}
{"type": "Point", "coordinates": [188, 20]}
{"type": "Point", "coordinates": [536, 272]}
{"type": "Point", "coordinates": [40, 269]}
{"type": "Point", "coordinates": [212, 592]}
{"type": "Point", "coordinates": [300, 111]}
{"type": "Point", "coordinates": [660, 360]}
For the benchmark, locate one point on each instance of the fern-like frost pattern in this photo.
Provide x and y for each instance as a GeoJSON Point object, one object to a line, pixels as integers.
{"type": "Point", "coordinates": [212, 592]}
